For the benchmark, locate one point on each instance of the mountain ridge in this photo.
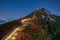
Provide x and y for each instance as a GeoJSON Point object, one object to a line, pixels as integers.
{"type": "Point", "coordinates": [38, 19]}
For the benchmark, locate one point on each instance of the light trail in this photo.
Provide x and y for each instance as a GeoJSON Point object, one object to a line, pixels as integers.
{"type": "Point", "coordinates": [11, 36]}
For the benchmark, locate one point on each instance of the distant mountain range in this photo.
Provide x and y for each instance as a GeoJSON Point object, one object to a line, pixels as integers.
{"type": "Point", "coordinates": [2, 21]}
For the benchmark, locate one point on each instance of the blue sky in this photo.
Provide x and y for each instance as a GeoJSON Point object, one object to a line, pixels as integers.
{"type": "Point", "coordinates": [15, 9]}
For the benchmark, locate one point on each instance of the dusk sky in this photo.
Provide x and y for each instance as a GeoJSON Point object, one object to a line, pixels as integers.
{"type": "Point", "coordinates": [15, 9]}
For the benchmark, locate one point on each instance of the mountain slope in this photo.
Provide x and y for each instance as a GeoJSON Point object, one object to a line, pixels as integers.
{"type": "Point", "coordinates": [8, 27]}
{"type": "Point", "coordinates": [54, 28]}
{"type": "Point", "coordinates": [37, 26]}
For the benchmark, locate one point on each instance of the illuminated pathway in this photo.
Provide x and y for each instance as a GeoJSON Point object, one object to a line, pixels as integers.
{"type": "Point", "coordinates": [14, 34]}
